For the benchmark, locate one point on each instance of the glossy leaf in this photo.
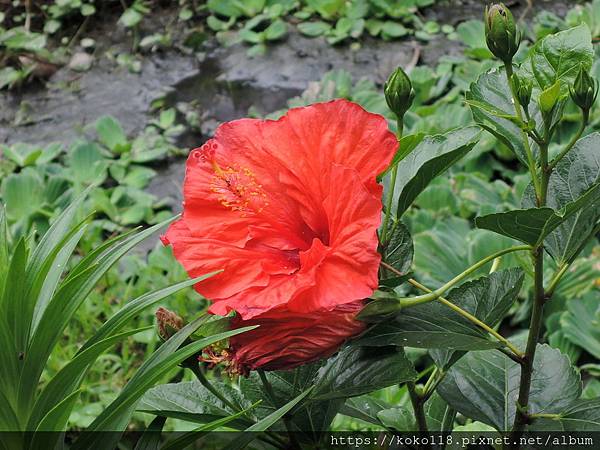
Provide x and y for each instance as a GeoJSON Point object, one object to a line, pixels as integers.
{"type": "Point", "coordinates": [434, 325]}
{"type": "Point", "coordinates": [558, 56]}
{"type": "Point", "coordinates": [399, 250]}
{"type": "Point", "coordinates": [191, 401]}
{"type": "Point", "coordinates": [358, 370]}
{"type": "Point", "coordinates": [582, 416]}
{"type": "Point", "coordinates": [489, 98]}
{"type": "Point", "coordinates": [484, 386]}
{"type": "Point", "coordinates": [431, 156]}
{"type": "Point", "coordinates": [531, 226]}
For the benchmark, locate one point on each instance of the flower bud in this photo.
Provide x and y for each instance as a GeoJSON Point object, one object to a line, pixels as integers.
{"type": "Point", "coordinates": [501, 33]}
{"type": "Point", "coordinates": [522, 87]}
{"type": "Point", "coordinates": [584, 90]}
{"type": "Point", "coordinates": [168, 323]}
{"type": "Point", "coordinates": [399, 93]}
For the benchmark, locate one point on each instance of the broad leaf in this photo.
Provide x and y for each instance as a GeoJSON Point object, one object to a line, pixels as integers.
{"type": "Point", "coordinates": [484, 386]}
{"type": "Point", "coordinates": [558, 56]}
{"type": "Point", "coordinates": [582, 416]}
{"type": "Point", "coordinates": [431, 156]}
{"type": "Point", "coordinates": [531, 226]}
{"type": "Point", "coordinates": [364, 408]}
{"type": "Point", "coordinates": [435, 325]}
{"type": "Point", "coordinates": [191, 401]}
{"type": "Point", "coordinates": [398, 251]}
{"type": "Point", "coordinates": [577, 174]}
{"type": "Point", "coordinates": [357, 370]}
{"type": "Point", "coordinates": [489, 98]}
{"type": "Point", "coordinates": [581, 323]}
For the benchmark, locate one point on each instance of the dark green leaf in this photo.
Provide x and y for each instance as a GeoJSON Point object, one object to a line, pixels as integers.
{"type": "Point", "coordinates": [490, 97]}
{"type": "Point", "coordinates": [435, 325]}
{"type": "Point", "coordinates": [576, 174]}
{"type": "Point", "coordinates": [398, 251]}
{"type": "Point", "coordinates": [531, 226]}
{"type": "Point", "coordinates": [484, 386]}
{"type": "Point", "coordinates": [582, 416]}
{"type": "Point", "coordinates": [358, 370]}
{"type": "Point", "coordinates": [431, 156]}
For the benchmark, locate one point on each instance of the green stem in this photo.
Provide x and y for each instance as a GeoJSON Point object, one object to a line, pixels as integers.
{"type": "Point", "coordinates": [528, 152]}
{"type": "Point", "coordinates": [584, 121]}
{"type": "Point", "coordinates": [471, 318]}
{"type": "Point", "coordinates": [390, 199]}
{"type": "Point", "coordinates": [406, 302]}
{"type": "Point", "coordinates": [417, 404]}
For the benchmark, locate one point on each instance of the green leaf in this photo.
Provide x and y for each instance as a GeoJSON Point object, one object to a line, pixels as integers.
{"type": "Point", "coordinates": [558, 57]}
{"type": "Point", "coordinates": [365, 408]}
{"type": "Point", "coordinates": [575, 176]}
{"type": "Point", "coordinates": [435, 325]}
{"type": "Point", "coordinates": [86, 163]}
{"type": "Point", "coordinates": [484, 386]}
{"type": "Point", "coordinates": [314, 29]}
{"type": "Point", "coordinates": [357, 370]}
{"type": "Point", "coordinates": [582, 416]}
{"type": "Point", "coordinates": [23, 194]}
{"type": "Point", "coordinates": [489, 98]}
{"type": "Point", "coordinates": [151, 439]}
{"type": "Point", "coordinates": [67, 299]}
{"type": "Point", "coordinates": [276, 30]}
{"type": "Point", "coordinates": [134, 307]}
{"type": "Point", "coordinates": [54, 420]}
{"type": "Point", "coordinates": [69, 378]}
{"type": "Point", "coordinates": [430, 157]}
{"type": "Point", "coordinates": [399, 250]}
{"type": "Point", "coordinates": [266, 423]}
{"type": "Point", "coordinates": [581, 323]}
{"type": "Point", "coordinates": [192, 436]}
{"type": "Point", "coordinates": [130, 17]}
{"type": "Point", "coordinates": [400, 418]}
{"type": "Point", "coordinates": [531, 226]}
{"type": "Point", "coordinates": [117, 414]}
{"type": "Point", "coordinates": [111, 133]}
{"type": "Point", "coordinates": [191, 401]}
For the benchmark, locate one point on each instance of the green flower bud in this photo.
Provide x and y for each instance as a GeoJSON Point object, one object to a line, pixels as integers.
{"type": "Point", "coordinates": [522, 87]}
{"type": "Point", "coordinates": [501, 32]}
{"type": "Point", "coordinates": [584, 90]}
{"type": "Point", "coordinates": [399, 93]}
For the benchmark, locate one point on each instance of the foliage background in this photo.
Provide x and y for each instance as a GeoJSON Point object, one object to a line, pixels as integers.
{"type": "Point", "coordinates": [40, 177]}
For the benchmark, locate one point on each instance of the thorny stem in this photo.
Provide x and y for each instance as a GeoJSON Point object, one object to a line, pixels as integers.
{"type": "Point", "coordinates": [433, 295]}
{"type": "Point", "coordinates": [388, 206]}
{"type": "Point", "coordinates": [529, 153]}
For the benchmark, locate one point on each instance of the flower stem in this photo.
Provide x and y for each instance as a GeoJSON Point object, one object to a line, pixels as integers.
{"type": "Point", "coordinates": [433, 295]}
{"type": "Point", "coordinates": [196, 369]}
{"type": "Point", "coordinates": [471, 318]}
{"type": "Point", "coordinates": [584, 121]}
{"type": "Point", "coordinates": [390, 199]}
{"type": "Point", "coordinates": [528, 152]}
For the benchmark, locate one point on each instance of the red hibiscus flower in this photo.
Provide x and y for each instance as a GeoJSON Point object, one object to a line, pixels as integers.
{"type": "Point", "coordinates": [285, 341]}
{"type": "Point", "coordinates": [288, 209]}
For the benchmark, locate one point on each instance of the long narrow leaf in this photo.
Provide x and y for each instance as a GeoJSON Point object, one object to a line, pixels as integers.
{"type": "Point", "coordinates": [190, 437]}
{"type": "Point", "coordinates": [150, 440]}
{"type": "Point", "coordinates": [48, 433]}
{"type": "Point", "coordinates": [250, 434]}
{"type": "Point", "coordinates": [63, 305]}
{"type": "Point", "coordinates": [115, 416]}
{"type": "Point", "coordinates": [134, 307]}
{"type": "Point", "coordinates": [70, 376]}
